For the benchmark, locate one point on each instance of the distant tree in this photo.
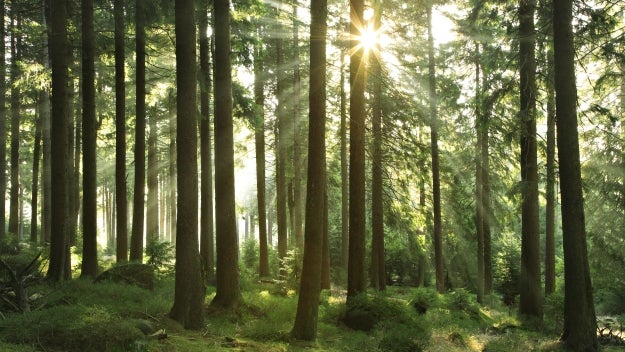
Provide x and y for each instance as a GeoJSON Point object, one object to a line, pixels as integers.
{"type": "Point", "coordinates": [59, 241]}
{"type": "Point", "coordinates": [297, 137]}
{"type": "Point", "coordinates": [46, 207]}
{"type": "Point", "coordinates": [228, 291]}
{"type": "Point", "coordinates": [188, 308]}
{"type": "Point", "coordinates": [344, 166]}
{"type": "Point", "coordinates": [151, 215]}
{"type": "Point", "coordinates": [305, 326]}
{"type": "Point", "coordinates": [16, 53]}
{"type": "Point", "coordinates": [121, 197]}
{"type": "Point", "coordinates": [89, 211]}
{"type": "Point", "coordinates": [138, 210]}
{"type": "Point", "coordinates": [36, 167]}
{"type": "Point", "coordinates": [356, 282]}
{"type": "Point", "coordinates": [3, 125]}
{"type": "Point", "coordinates": [530, 289]}
{"type": "Point", "coordinates": [580, 324]}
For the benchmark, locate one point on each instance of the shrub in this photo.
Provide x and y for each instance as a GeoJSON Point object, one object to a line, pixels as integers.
{"type": "Point", "coordinates": [161, 257]}
{"type": "Point", "coordinates": [410, 336]}
{"type": "Point", "coordinates": [507, 271]}
{"type": "Point", "coordinates": [554, 311]}
{"type": "Point", "coordinates": [363, 313]}
{"type": "Point", "coordinates": [461, 300]}
{"type": "Point", "coordinates": [424, 298]}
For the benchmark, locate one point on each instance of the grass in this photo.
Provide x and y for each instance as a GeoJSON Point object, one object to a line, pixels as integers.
{"type": "Point", "coordinates": [82, 316]}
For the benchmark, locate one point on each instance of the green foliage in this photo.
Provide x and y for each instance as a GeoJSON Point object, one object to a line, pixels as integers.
{"type": "Point", "coordinates": [554, 311]}
{"type": "Point", "coordinates": [462, 300]}
{"type": "Point", "coordinates": [250, 257]}
{"type": "Point", "coordinates": [363, 312]}
{"type": "Point", "coordinates": [161, 256]}
{"type": "Point", "coordinates": [424, 298]}
{"type": "Point", "coordinates": [413, 336]}
{"type": "Point", "coordinates": [507, 269]}
{"type": "Point", "coordinates": [292, 269]}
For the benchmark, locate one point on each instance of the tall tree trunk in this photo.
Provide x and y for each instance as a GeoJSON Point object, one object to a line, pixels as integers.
{"type": "Point", "coordinates": [89, 204]}
{"type": "Point", "coordinates": [259, 142]}
{"type": "Point", "coordinates": [550, 246]}
{"type": "Point", "coordinates": [344, 163]}
{"type": "Point", "coordinates": [136, 240]}
{"type": "Point", "coordinates": [46, 216]}
{"type": "Point", "coordinates": [305, 326]}
{"type": "Point", "coordinates": [228, 292]}
{"type": "Point", "coordinates": [3, 125]}
{"type": "Point", "coordinates": [189, 291]}
{"type": "Point", "coordinates": [580, 325]}
{"type": "Point", "coordinates": [530, 290]}
{"type": "Point", "coordinates": [436, 182]}
{"type": "Point", "coordinates": [281, 150]}
{"type": "Point", "coordinates": [121, 200]}
{"type": "Point", "coordinates": [297, 154]}
{"type": "Point", "coordinates": [479, 201]}
{"type": "Point", "coordinates": [207, 248]}
{"type": "Point", "coordinates": [59, 137]}
{"type": "Point", "coordinates": [356, 278]}
{"type": "Point", "coordinates": [34, 213]}
{"type": "Point", "coordinates": [378, 267]}
{"type": "Point", "coordinates": [172, 178]}
{"type": "Point", "coordinates": [151, 216]}
{"type": "Point", "coordinates": [325, 250]}
{"type": "Point", "coordinates": [15, 125]}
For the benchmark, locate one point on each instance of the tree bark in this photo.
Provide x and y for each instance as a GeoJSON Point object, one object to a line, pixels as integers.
{"type": "Point", "coordinates": [550, 246]}
{"type": "Point", "coordinates": [580, 326]}
{"type": "Point", "coordinates": [136, 240]}
{"type": "Point", "coordinates": [121, 200]}
{"type": "Point", "coordinates": [344, 163]}
{"type": "Point", "coordinates": [305, 326]}
{"type": "Point", "coordinates": [530, 303]}
{"type": "Point", "coordinates": [35, 185]}
{"type": "Point", "coordinates": [15, 125]}
{"type": "Point", "coordinates": [189, 287]}
{"type": "Point", "coordinates": [297, 154]}
{"type": "Point", "coordinates": [151, 216]}
{"type": "Point", "coordinates": [3, 125]}
{"type": "Point", "coordinates": [479, 201]}
{"type": "Point", "coordinates": [228, 291]}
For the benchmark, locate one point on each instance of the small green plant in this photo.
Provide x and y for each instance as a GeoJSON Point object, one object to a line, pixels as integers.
{"type": "Point", "coordinates": [424, 298]}
{"type": "Point", "coordinates": [461, 300]}
{"type": "Point", "coordinates": [412, 336]}
{"type": "Point", "coordinates": [160, 256]}
{"type": "Point", "coordinates": [291, 270]}
{"type": "Point", "coordinates": [507, 269]}
{"type": "Point", "coordinates": [363, 313]}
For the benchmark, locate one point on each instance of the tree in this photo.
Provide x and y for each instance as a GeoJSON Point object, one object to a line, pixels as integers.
{"type": "Point", "coordinates": [305, 326]}
{"type": "Point", "coordinates": [3, 125]}
{"type": "Point", "coordinates": [16, 52]}
{"type": "Point", "coordinates": [207, 248]}
{"type": "Point", "coordinates": [479, 202]}
{"type": "Point", "coordinates": [580, 325]}
{"type": "Point", "coordinates": [36, 158]}
{"type": "Point", "coordinates": [436, 182]}
{"type": "Point", "coordinates": [138, 210]}
{"type": "Point", "coordinates": [344, 166]}
{"type": "Point", "coordinates": [59, 244]}
{"type": "Point", "coordinates": [297, 154]}
{"type": "Point", "coordinates": [151, 215]}
{"type": "Point", "coordinates": [228, 294]}
{"type": "Point", "coordinates": [121, 200]}
{"type": "Point", "coordinates": [356, 282]}
{"type": "Point", "coordinates": [89, 223]}
{"type": "Point", "coordinates": [189, 286]}
{"type": "Point", "coordinates": [530, 290]}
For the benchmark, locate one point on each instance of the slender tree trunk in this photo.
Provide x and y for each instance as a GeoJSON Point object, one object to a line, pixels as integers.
{"type": "Point", "coordinates": [35, 188]}
{"type": "Point", "coordinates": [325, 250]}
{"type": "Point", "coordinates": [305, 326]}
{"type": "Point", "coordinates": [46, 211]}
{"type": "Point", "coordinates": [151, 216]}
{"type": "Point", "coordinates": [189, 292]}
{"type": "Point", "coordinates": [259, 142]}
{"type": "Point", "coordinates": [297, 154]}
{"type": "Point", "coordinates": [3, 125]}
{"type": "Point", "coordinates": [436, 182]}
{"type": "Point", "coordinates": [207, 248]}
{"type": "Point", "coordinates": [15, 126]}
{"type": "Point", "coordinates": [344, 163]}
{"type": "Point", "coordinates": [59, 138]}
{"type": "Point", "coordinates": [89, 223]}
{"type": "Point", "coordinates": [228, 291]}
{"type": "Point", "coordinates": [356, 278]}
{"type": "Point", "coordinates": [580, 325]}
{"type": "Point", "coordinates": [530, 290]}
{"type": "Point", "coordinates": [136, 240]}
{"type": "Point", "coordinates": [172, 178]}
{"type": "Point", "coordinates": [550, 246]}
{"type": "Point", "coordinates": [479, 201]}
{"type": "Point", "coordinates": [121, 200]}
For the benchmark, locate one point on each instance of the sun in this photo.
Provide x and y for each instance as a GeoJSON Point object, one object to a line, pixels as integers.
{"type": "Point", "coordinates": [369, 38]}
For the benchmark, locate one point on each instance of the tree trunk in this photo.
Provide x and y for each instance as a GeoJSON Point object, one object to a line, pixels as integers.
{"type": "Point", "coordinates": [550, 246]}
{"type": "Point", "coordinates": [228, 292]}
{"type": "Point", "coordinates": [479, 201]}
{"type": "Point", "coordinates": [344, 163]}
{"type": "Point", "coordinates": [259, 142]}
{"type": "Point", "coordinates": [151, 216]}
{"type": "Point", "coordinates": [356, 278]}
{"type": "Point", "coordinates": [305, 326]}
{"type": "Point", "coordinates": [136, 240]}
{"type": "Point", "coordinates": [172, 178]}
{"type": "Point", "coordinates": [59, 244]}
{"type": "Point", "coordinates": [436, 182]}
{"type": "Point", "coordinates": [325, 255]}
{"type": "Point", "coordinates": [15, 126]}
{"type": "Point", "coordinates": [297, 154]}
{"type": "Point", "coordinates": [3, 126]}
{"type": "Point", "coordinates": [121, 200]}
{"type": "Point", "coordinates": [35, 188]}
{"type": "Point", "coordinates": [89, 223]}
{"type": "Point", "coordinates": [580, 325]}
{"type": "Point", "coordinates": [530, 303]}
{"type": "Point", "coordinates": [207, 248]}
{"type": "Point", "coordinates": [189, 292]}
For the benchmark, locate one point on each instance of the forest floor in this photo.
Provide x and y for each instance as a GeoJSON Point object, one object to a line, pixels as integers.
{"type": "Point", "coordinates": [82, 316]}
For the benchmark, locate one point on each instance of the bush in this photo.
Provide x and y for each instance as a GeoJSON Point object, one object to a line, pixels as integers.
{"type": "Point", "coordinates": [554, 311]}
{"type": "Point", "coordinates": [363, 313]}
{"type": "Point", "coordinates": [424, 298]}
{"type": "Point", "coordinates": [461, 300]}
{"type": "Point", "coordinates": [161, 257]}
{"type": "Point", "coordinates": [507, 269]}
{"type": "Point", "coordinates": [404, 337]}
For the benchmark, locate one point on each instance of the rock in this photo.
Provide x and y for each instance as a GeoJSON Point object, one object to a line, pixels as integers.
{"type": "Point", "coordinates": [137, 274]}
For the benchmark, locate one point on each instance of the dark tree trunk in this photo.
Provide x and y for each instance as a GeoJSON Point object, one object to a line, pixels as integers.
{"type": "Point", "coordinates": [325, 255]}
{"type": "Point", "coordinates": [530, 303]}
{"type": "Point", "coordinates": [15, 126]}
{"type": "Point", "coordinates": [207, 247]}
{"type": "Point", "coordinates": [356, 278]}
{"type": "Point", "coordinates": [3, 126]}
{"type": "Point", "coordinates": [35, 187]}
{"type": "Point", "coordinates": [59, 139]}
{"type": "Point", "coordinates": [479, 201]}
{"type": "Point", "coordinates": [189, 292]}
{"type": "Point", "coordinates": [344, 174]}
{"type": "Point", "coordinates": [151, 216]}
{"type": "Point", "coordinates": [136, 240]}
{"type": "Point", "coordinates": [436, 182]}
{"type": "Point", "coordinates": [46, 216]}
{"type": "Point", "coordinates": [259, 142]}
{"type": "Point", "coordinates": [580, 325]}
{"type": "Point", "coordinates": [550, 246]}
{"type": "Point", "coordinates": [121, 200]}
{"type": "Point", "coordinates": [228, 291]}
{"type": "Point", "coordinates": [89, 230]}
{"type": "Point", "coordinates": [172, 178]}
{"type": "Point", "coordinates": [305, 326]}
{"type": "Point", "coordinates": [297, 154]}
